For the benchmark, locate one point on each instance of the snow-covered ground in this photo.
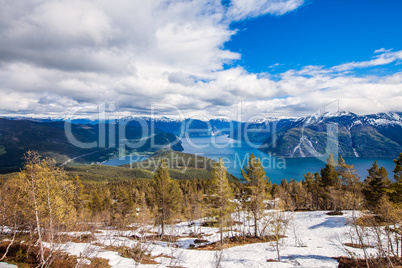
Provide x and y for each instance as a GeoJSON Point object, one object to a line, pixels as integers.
{"type": "Point", "coordinates": [313, 238]}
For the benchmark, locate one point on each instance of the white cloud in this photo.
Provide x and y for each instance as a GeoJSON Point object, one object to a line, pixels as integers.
{"type": "Point", "coordinates": [243, 9]}
{"type": "Point", "coordinates": [385, 57]}
{"type": "Point", "coordinates": [57, 54]}
{"type": "Point", "coordinates": [381, 50]}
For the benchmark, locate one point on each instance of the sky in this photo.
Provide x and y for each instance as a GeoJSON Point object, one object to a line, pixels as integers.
{"type": "Point", "coordinates": [199, 58]}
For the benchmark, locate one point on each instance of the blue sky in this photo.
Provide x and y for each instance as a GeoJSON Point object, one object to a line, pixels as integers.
{"type": "Point", "coordinates": [199, 59]}
{"type": "Point", "coordinates": [321, 32]}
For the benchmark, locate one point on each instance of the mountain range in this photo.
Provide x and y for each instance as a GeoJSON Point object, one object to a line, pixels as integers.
{"type": "Point", "coordinates": [368, 136]}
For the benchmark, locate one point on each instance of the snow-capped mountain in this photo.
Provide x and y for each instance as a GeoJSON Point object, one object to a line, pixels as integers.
{"type": "Point", "coordinates": [375, 135]}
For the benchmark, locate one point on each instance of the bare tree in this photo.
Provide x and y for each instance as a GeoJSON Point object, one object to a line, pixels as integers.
{"type": "Point", "coordinates": [279, 224]}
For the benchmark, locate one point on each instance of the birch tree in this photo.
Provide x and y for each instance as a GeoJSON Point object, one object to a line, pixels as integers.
{"type": "Point", "coordinates": [47, 198]}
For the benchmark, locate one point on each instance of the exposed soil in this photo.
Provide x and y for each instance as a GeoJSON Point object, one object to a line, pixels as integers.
{"type": "Point", "coordinates": [236, 241]}
{"type": "Point", "coordinates": [345, 262]}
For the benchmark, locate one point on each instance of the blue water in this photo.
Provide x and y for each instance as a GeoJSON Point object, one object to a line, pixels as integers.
{"type": "Point", "coordinates": [235, 154]}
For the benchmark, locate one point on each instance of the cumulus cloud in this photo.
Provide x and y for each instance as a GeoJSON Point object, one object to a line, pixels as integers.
{"type": "Point", "coordinates": [55, 55]}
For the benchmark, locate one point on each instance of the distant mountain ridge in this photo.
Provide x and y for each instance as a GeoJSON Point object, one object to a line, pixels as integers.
{"type": "Point", "coordinates": [375, 135]}
{"type": "Point", "coordinates": [50, 140]}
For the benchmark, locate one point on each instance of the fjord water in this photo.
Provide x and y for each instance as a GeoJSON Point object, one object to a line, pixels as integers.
{"type": "Point", "coordinates": [235, 154]}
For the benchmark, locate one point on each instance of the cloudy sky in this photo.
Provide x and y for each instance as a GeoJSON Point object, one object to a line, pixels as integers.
{"type": "Point", "coordinates": [274, 57]}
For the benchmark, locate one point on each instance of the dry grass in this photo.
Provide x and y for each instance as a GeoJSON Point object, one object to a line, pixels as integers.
{"type": "Point", "coordinates": [136, 253]}
{"type": "Point", "coordinates": [345, 262]}
{"type": "Point", "coordinates": [237, 241]}
{"type": "Point", "coordinates": [25, 256]}
{"type": "Point", "coordinates": [352, 245]}
{"type": "Point", "coordinates": [84, 238]}
{"type": "Point", "coordinates": [369, 221]}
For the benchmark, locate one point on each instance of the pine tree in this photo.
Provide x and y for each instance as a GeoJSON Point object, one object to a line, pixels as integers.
{"type": "Point", "coordinates": [168, 196]}
{"type": "Point", "coordinates": [256, 182]}
{"type": "Point", "coordinates": [329, 182]}
{"type": "Point", "coordinates": [398, 169]}
{"type": "Point", "coordinates": [144, 215]}
{"type": "Point", "coordinates": [396, 196]}
{"type": "Point", "coordinates": [221, 196]}
{"type": "Point", "coordinates": [376, 185]}
{"type": "Point", "coordinates": [313, 186]}
{"type": "Point", "coordinates": [193, 206]}
{"type": "Point", "coordinates": [329, 176]}
{"type": "Point", "coordinates": [351, 184]}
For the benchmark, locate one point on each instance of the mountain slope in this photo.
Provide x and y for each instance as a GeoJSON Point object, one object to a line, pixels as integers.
{"type": "Point", "coordinates": [378, 135]}
{"type": "Point", "coordinates": [50, 139]}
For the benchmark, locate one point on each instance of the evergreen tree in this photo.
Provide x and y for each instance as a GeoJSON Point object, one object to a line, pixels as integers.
{"type": "Point", "coordinates": [351, 184]}
{"type": "Point", "coordinates": [256, 182]}
{"type": "Point", "coordinates": [376, 185]}
{"type": "Point", "coordinates": [398, 169]}
{"type": "Point", "coordinates": [167, 196]}
{"type": "Point", "coordinates": [78, 193]}
{"type": "Point", "coordinates": [193, 206]}
{"type": "Point", "coordinates": [396, 196]}
{"type": "Point", "coordinates": [329, 176]}
{"type": "Point", "coordinates": [221, 196]}
{"type": "Point", "coordinates": [329, 183]}
{"type": "Point", "coordinates": [313, 187]}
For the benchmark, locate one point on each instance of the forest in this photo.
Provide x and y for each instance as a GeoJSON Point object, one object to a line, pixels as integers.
{"type": "Point", "coordinates": [45, 206]}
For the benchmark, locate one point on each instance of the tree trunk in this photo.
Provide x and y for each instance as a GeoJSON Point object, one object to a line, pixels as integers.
{"type": "Point", "coordinates": [277, 249]}
{"type": "Point", "coordinates": [255, 227]}
{"type": "Point", "coordinates": [221, 229]}
{"type": "Point", "coordinates": [42, 257]}
{"type": "Point", "coordinates": [11, 242]}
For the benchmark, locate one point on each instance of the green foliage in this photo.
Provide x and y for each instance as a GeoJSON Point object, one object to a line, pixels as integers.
{"type": "Point", "coordinates": [398, 169]}
{"type": "Point", "coordinates": [102, 173]}
{"type": "Point", "coordinates": [396, 195]}
{"type": "Point", "coordinates": [181, 166]}
{"type": "Point", "coordinates": [376, 185]}
{"type": "Point", "coordinates": [329, 176]}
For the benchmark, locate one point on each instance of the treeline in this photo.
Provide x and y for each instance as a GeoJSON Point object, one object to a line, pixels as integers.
{"type": "Point", "coordinates": [41, 202]}
{"type": "Point", "coordinates": [338, 187]}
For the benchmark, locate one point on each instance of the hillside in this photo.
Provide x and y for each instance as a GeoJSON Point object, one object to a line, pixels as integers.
{"type": "Point", "coordinates": [181, 165]}
{"type": "Point", "coordinates": [97, 142]}
{"type": "Point", "coordinates": [376, 135]}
